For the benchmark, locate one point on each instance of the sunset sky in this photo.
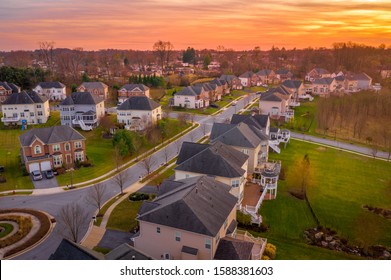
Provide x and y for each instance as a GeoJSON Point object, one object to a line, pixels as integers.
{"type": "Point", "coordinates": [237, 24]}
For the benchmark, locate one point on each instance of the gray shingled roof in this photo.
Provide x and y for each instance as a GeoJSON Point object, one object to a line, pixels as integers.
{"type": "Point", "coordinates": [51, 85]}
{"type": "Point", "coordinates": [292, 83]}
{"type": "Point", "coordinates": [247, 74]}
{"type": "Point", "coordinates": [81, 98]}
{"type": "Point", "coordinates": [240, 135]}
{"type": "Point", "coordinates": [131, 87]}
{"type": "Point", "coordinates": [5, 85]}
{"type": "Point", "coordinates": [138, 103]}
{"type": "Point", "coordinates": [68, 250]}
{"type": "Point", "coordinates": [199, 204]}
{"type": "Point", "coordinates": [270, 96]}
{"type": "Point", "coordinates": [187, 91]}
{"type": "Point", "coordinates": [92, 85]}
{"type": "Point", "coordinates": [227, 77]}
{"type": "Point", "coordinates": [321, 71]}
{"type": "Point", "coordinates": [362, 76]}
{"type": "Point", "coordinates": [23, 97]}
{"type": "Point", "coordinates": [126, 252]}
{"type": "Point", "coordinates": [50, 135]}
{"type": "Point", "coordinates": [233, 249]}
{"type": "Point", "coordinates": [264, 72]}
{"type": "Point", "coordinates": [282, 71]}
{"type": "Point", "coordinates": [216, 159]}
{"type": "Point", "coordinates": [259, 121]}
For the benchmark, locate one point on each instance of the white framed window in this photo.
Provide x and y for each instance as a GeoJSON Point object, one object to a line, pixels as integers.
{"type": "Point", "coordinates": [245, 151]}
{"type": "Point", "coordinates": [177, 236]}
{"type": "Point", "coordinates": [208, 243]}
{"type": "Point", "coordinates": [67, 147]}
{"type": "Point", "coordinates": [78, 145]}
{"type": "Point", "coordinates": [57, 160]}
{"type": "Point", "coordinates": [79, 156]}
{"type": "Point", "coordinates": [235, 183]}
{"type": "Point", "coordinates": [37, 149]}
{"type": "Point", "coordinates": [39, 106]}
{"type": "Point", "coordinates": [40, 113]}
{"type": "Point", "coordinates": [56, 148]}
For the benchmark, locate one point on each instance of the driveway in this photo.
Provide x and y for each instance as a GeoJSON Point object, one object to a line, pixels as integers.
{"type": "Point", "coordinates": [113, 238]}
{"type": "Point", "coordinates": [45, 183]}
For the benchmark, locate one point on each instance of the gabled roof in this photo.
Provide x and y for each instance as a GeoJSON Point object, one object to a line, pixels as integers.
{"type": "Point", "coordinates": [81, 98]}
{"type": "Point", "coordinates": [215, 159]}
{"type": "Point", "coordinates": [51, 85]}
{"type": "Point", "coordinates": [5, 85]}
{"type": "Point", "coordinates": [233, 249]}
{"type": "Point", "coordinates": [138, 103]}
{"type": "Point", "coordinates": [92, 85]}
{"type": "Point", "coordinates": [271, 96]}
{"type": "Point", "coordinates": [50, 135]}
{"type": "Point", "coordinates": [68, 250]}
{"type": "Point", "coordinates": [199, 204]}
{"type": "Point", "coordinates": [218, 82]}
{"type": "Point", "coordinates": [259, 121]}
{"type": "Point", "coordinates": [23, 97]}
{"type": "Point", "coordinates": [192, 90]}
{"type": "Point", "coordinates": [240, 135]}
{"type": "Point", "coordinates": [131, 87]}
{"type": "Point", "coordinates": [228, 78]}
{"type": "Point", "coordinates": [294, 84]}
{"type": "Point", "coordinates": [282, 71]}
{"type": "Point", "coordinates": [247, 74]}
{"type": "Point", "coordinates": [264, 72]}
{"type": "Point", "coordinates": [321, 71]}
{"type": "Point", "coordinates": [362, 76]}
{"type": "Point", "coordinates": [126, 252]}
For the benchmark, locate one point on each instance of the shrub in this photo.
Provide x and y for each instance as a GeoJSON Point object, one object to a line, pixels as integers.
{"type": "Point", "coordinates": [270, 252]}
{"type": "Point", "coordinates": [243, 219]}
{"type": "Point", "coordinates": [138, 196]}
{"type": "Point", "coordinates": [2, 179]}
{"type": "Point", "coordinates": [266, 258]}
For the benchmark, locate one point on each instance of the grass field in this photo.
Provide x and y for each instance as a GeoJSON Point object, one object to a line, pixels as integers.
{"type": "Point", "coordinates": [124, 215]}
{"type": "Point", "coordinates": [10, 151]}
{"type": "Point", "coordinates": [343, 183]}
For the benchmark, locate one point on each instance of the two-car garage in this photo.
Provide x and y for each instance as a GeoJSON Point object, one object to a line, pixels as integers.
{"type": "Point", "coordinates": [42, 166]}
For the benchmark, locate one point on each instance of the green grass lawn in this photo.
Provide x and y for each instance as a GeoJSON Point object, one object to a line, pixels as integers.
{"type": "Point", "coordinates": [343, 183]}
{"type": "Point", "coordinates": [7, 229]}
{"type": "Point", "coordinates": [124, 215]}
{"type": "Point", "coordinates": [10, 154]}
{"type": "Point", "coordinates": [104, 209]}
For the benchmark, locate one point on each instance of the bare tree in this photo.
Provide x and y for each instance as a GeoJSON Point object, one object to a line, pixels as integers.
{"type": "Point", "coordinates": [120, 179]}
{"type": "Point", "coordinates": [147, 164]}
{"type": "Point", "coordinates": [72, 217]}
{"type": "Point", "coordinates": [95, 195]}
{"type": "Point", "coordinates": [47, 55]}
{"type": "Point", "coordinates": [166, 154]}
{"type": "Point", "coordinates": [204, 128]}
{"type": "Point", "coordinates": [163, 51]}
{"type": "Point", "coordinates": [117, 158]}
{"type": "Point", "coordinates": [177, 145]}
{"type": "Point", "coordinates": [192, 118]}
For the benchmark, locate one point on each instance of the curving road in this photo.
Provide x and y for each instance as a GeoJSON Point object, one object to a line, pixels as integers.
{"type": "Point", "coordinates": [52, 203]}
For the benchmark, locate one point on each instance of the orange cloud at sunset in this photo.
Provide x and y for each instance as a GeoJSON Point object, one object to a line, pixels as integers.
{"type": "Point", "coordinates": [238, 24]}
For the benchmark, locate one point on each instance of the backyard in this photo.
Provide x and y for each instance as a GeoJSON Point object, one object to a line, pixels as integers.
{"type": "Point", "coordinates": [343, 183]}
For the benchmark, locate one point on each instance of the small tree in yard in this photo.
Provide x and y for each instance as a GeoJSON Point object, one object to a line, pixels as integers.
{"type": "Point", "coordinates": [106, 122]}
{"type": "Point", "coordinates": [123, 141]}
{"type": "Point", "coordinates": [72, 217]}
{"type": "Point", "coordinates": [95, 196]}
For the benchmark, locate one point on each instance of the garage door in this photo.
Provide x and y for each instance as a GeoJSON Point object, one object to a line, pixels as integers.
{"type": "Point", "coordinates": [45, 165]}
{"type": "Point", "coordinates": [33, 166]}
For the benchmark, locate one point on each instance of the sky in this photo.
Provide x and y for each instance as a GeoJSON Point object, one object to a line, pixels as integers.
{"type": "Point", "coordinates": [236, 24]}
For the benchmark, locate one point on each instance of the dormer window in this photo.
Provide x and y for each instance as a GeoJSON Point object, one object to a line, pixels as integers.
{"type": "Point", "coordinates": [37, 149]}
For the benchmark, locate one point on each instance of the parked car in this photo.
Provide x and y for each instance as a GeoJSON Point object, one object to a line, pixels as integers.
{"type": "Point", "coordinates": [214, 105]}
{"type": "Point", "coordinates": [234, 102]}
{"type": "Point", "coordinates": [49, 174]}
{"type": "Point", "coordinates": [37, 175]}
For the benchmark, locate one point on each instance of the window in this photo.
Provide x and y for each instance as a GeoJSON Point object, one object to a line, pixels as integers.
{"type": "Point", "coordinates": [39, 106]}
{"type": "Point", "coordinates": [56, 148]}
{"type": "Point", "coordinates": [245, 151]}
{"type": "Point", "coordinates": [235, 183]}
{"type": "Point", "coordinates": [31, 114]}
{"type": "Point", "coordinates": [79, 156]}
{"type": "Point", "coordinates": [57, 160]}
{"type": "Point", "coordinates": [158, 229]}
{"type": "Point", "coordinates": [77, 145]}
{"type": "Point", "coordinates": [40, 113]}
{"type": "Point", "coordinates": [67, 147]}
{"type": "Point", "coordinates": [177, 236]}
{"type": "Point", "coordinates": [208, 243]}
{"type": "Point", "coordinates": [37, 149]}
{"type": "Point", "coordinates": [22, 115]}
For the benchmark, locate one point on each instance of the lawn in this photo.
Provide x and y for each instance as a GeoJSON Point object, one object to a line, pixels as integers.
{"type": "Point", "coordinates": [305, 118]}
{"type": "Point", "coordinates": [104, 209]}
{"type": "Point", "coordinates": [343, 183]}
{"type": "Point", "coordinates": [10, 155]}
{"type": "Point", "coordinates": [124, 215]}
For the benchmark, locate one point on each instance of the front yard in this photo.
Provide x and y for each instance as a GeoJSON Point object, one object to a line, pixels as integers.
{"type": "Point", "coordinates": [343, 183]}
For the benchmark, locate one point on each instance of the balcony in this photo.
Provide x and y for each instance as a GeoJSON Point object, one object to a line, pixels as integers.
{"type": "Point", "coordinates": [259, 243]}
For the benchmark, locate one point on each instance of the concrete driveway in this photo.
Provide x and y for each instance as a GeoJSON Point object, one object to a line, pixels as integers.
{"type": "Point", "coordinates": [113, 238]}
{"type": "Point", "coordinates": [45, 183]}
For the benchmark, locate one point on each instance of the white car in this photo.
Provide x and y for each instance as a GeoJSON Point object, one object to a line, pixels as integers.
{"type": "Point", "coordinates": [37, 175]}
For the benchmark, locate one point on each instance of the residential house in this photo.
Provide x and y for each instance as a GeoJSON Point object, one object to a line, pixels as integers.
{"type": "Point", "coordinates": [52, 90]}
{"type": "Point", "coordinates": [283, 74]}
{"type": "Point", "coordinates": [351, 83]}
{"type": "Point", "coordinates": [275, 102]}
{"type": "Point", "coordinates": [317, 73]}
{"type": "Point", "coordinates": [139, 112]}
{"type": "Point", "coordinates": [215, 91]}
{"type": "Point", "coordinates": [132, 90]}
{"type": "Point", "coordinates": [25, 108]}
{"type": "Point", "coordinates": [98, 89]}
{"type": "Point", "coordinates": [248, 140]}
{"type": "Point", "coordinates": [267, 76]}
{"type": "Point", "coordinates": [295, 87]}
{"type": "Point", "coordinates": [324, 86]}
{"type": "Point", "coordinates": [364, 82]}
{"type": "Point", "coordinates": [82, 109]}
{"type": "Point", "coordinates": [218, 160]}
{"type": "Point", "coordinates": [6, 89]}
{"type": "Point", "coordinates": [51, 147]}
{"type": "Point", "coordinates": [249, 79]}
{"type": "Point", "coordinates": [193, 97]}
{"type": "Point", "coordinates": [261, 122]}
{"type": "Point", "coordinates": [194, 219]}
{"type": "Point", "coordinates": [222, 86]}
{"type": "Point", "coordinates": [233, 81]}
